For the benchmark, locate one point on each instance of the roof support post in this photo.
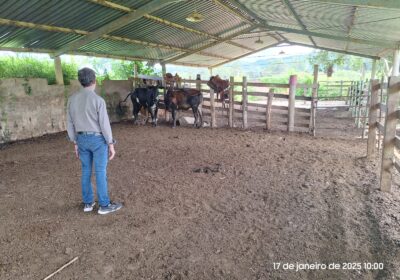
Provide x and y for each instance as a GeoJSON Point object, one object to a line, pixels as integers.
{"type": "Point", "coordinates": [314, 99]}
{"type": "Point", "coordinates": [164, 72]}
{"type": "Point", "coordinates": [396, 62]}
{"type": "Point", "coordinates": [373, 70]}
{"type": "Point", "coordinates": [389, 139]}
{"type": "Point", "coordinates": [58, 71]}
{"type": "Point", "coordinates": [116, 24]}
{"type": "Point", "coordinates": [135, 75]}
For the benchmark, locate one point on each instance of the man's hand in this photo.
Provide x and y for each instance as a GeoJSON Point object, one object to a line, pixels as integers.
{"type": "Point", "coordinates": [76, 151]}
{"type": "Point", "coordinates": [111, 151]}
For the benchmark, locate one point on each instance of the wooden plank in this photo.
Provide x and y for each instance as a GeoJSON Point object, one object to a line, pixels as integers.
{"type": "Point", "coordinates": [280, 95]}
{"type": "Point", "coordinates": [389, 134]}
{"type": "Point", "coordinates": [292, 100]}
{"type": "Point", "coordinates": [306, 98]}
{"type": "Point", "coordinates": [212, 108]}
{"type": "Point", "coordinates": [231, 102]}
{"type": "Point", "coordinates": [190, 81]}
{"type": "Point", "coordinates": [396, 164]}
{"type": "Point", "coordinates": [256, 113]}
{"type": "Point", "coordinates": [268, 85]}
{"type": "Point", "coordinates": [244, 102]}
{"type": "Point", "coordinates": [397, 142]}
{"type": "Point", "coordinates": [314, 100]}
{"type": "Point", "coordinates": [380, 127]}
{"type": "Point", "coordinates": [373, 115]}
{"type": "Point", "coordinates": [257, 93]}
{"type": "Point", "coordinates": [269, 108]}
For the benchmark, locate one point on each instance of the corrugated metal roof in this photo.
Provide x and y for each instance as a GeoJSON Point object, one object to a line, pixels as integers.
{"type": "Point", "coordinates": [229, 30]}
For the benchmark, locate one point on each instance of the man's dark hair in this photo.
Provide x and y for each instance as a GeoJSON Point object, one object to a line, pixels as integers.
{"type": "Point", "coordinates": [86, 77]}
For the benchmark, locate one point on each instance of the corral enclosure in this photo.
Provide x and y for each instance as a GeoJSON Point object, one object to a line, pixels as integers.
{"type": "Point", "coordinates": [205, 203]}
{"type": "Point", "coordinates": [245, 201]}
{"type": "Point", "coordinates": [199, 204]}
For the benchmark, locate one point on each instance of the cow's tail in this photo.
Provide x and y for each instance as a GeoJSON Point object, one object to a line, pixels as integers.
{"type": "Point", "coordinates": [119, 104]}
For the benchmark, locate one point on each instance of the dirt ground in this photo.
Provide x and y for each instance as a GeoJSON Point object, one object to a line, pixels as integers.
{"type": "Point", "coordinates": [200, 204]}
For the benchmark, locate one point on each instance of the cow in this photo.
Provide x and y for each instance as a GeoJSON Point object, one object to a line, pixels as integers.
{"type": "Point", "coordinates": [144, 98]}
{"type": "Point", "coordinates": [172, 81]}
{"type": "Point", "coordinates": [219, 86]}
{"type": "Point", "coordinates": [183, 99]}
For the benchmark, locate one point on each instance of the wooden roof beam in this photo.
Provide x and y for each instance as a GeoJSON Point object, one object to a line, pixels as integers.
{"type": "Point", "coordinates": [265, 24]}
{"type": "Point", "coordinates": [383, 4]}
{"type": "Point", "coordinates": [44, 27]}
{"type": "Point", "coordinates": [91, 54]}
{"type": "Point", "coordinates": [115, 6]}
{"type": "Point", "coordinates": [350, 28]}
{"type": "Point", "coordinates": [334, 50]}
{"type": "Point", "coordinates": [209, 45]}
{"type": "Point", "coordinates": [298, 19]}
{"type": "Point", "coordinates": [247, 54]}
{"type": "Point", "coordinates": [150, 7]}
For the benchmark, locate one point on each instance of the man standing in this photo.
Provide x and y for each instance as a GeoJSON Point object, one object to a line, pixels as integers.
{"type": "Point", "coordinates": [89, 128]}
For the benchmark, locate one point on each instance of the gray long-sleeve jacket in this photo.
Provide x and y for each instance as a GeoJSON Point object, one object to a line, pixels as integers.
{"type": "Point", "coordinates": [86, 111]}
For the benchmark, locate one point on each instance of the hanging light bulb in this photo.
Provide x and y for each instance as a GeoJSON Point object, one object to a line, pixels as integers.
{"type": "Point", "coordinates": [259, 41]}
{"type": "Point", "coordinates": [195, 17]}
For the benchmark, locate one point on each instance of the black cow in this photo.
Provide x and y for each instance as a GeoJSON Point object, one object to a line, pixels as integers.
{"type": "Point", "coordinates": [146, 98]}
{"type": "Point", "coordinates": [183, 99]}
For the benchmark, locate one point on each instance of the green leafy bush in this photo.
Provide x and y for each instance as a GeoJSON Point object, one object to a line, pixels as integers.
{"type": "Point", "coordinates": [29, 67]}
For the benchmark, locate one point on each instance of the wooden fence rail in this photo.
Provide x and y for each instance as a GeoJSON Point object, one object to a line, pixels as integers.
{"type": "Point", "coordinates": [257, 112]}
{"type": "Point", "coordinates": [391, 115]}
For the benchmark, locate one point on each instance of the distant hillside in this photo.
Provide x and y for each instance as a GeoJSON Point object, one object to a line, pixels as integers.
{"type": "Point", "coordinates": [252, 69]}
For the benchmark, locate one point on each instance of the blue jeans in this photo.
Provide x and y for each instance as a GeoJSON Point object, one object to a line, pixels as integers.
{"type": "Point", "coordinates": [93, 150]}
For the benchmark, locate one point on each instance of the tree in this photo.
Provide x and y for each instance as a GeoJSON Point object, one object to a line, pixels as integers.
{"type": "Point", "coordinates": [125, 69]}
{"type": "Point", "coordinates": [326, 60]}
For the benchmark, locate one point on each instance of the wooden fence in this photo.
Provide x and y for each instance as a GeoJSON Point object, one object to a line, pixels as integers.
{"type": "Point", "coordinates": [383, 118]}
{"type": "Point", "coordinates": [272, 106]}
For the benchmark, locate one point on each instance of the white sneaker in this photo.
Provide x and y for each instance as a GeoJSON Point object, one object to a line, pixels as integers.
{"type": "Point", "coordinates": [88, 207]}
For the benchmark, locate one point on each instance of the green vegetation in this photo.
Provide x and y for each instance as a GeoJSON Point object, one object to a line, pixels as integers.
{"type": "Point", "coordinates": [29, 67]}
{"type": "Point", "coordinates": [23, 66]}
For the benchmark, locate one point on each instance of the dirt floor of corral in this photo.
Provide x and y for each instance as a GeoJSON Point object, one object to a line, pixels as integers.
{"type": "Point", "coordinates": [199, 204]}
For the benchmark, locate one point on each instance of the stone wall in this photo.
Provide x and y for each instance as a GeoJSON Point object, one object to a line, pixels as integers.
{"type": "Point", "coordinates": [31, 108]}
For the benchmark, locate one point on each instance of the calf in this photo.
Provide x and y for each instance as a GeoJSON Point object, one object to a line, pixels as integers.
{"type": "Point", "coordinates": [183, 99]}
{"type": "Point", "coordinates": [219, 86]}
{"type": "Point", "coordinates": [144, 98]}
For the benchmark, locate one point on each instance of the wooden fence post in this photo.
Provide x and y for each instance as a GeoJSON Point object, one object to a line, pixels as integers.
{"type": "Point", "coordinates": [231, 101]}
{"type": "Point", "coordinates": [365, 112]}
{"type": "Point", "coordinates": [198, 82]}
{"type": "Point", "coordinates": [164, 72]}
{"type": "Point", "coordinates": [380, 111]}
{"type": "Point", "coordinates": [314, 100]}
{"type": "Point", "coordinates": [244, 102]}
{"type": "Point", "coordinates": [372, 119]}
{"type": "Point", "coordinates": [58, 70]}
{"type": "Point", "coordinates": [393, 94]}
{"type": "Point", "coordinates": [269, 108]}
{"type": "Point", "coordinates": [212, 109]}
{"type": "Point", "coordinates": [292, 101]}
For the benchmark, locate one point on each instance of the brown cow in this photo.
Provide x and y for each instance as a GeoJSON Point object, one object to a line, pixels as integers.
{"type": "Point", "coordinates": [183, 99]}
{"type": "Point", "coordinates": [172, 81]}
{"type": "Point", "coordinates": [219, 86]}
